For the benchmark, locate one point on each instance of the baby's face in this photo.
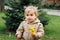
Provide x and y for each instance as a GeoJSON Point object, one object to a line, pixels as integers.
{"type": "Point", "coordinates": [30, 16]}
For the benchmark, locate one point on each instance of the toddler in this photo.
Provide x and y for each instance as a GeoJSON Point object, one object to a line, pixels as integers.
{"type": "Point", "coordinates": [30, 28]}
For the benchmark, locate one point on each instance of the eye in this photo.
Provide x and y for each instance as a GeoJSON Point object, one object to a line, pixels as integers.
{"type": "Point", "coordinates": [31, 14]}
{"type": "Point", "coordinates": [27, 15]}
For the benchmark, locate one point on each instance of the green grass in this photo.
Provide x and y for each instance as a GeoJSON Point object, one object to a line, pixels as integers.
{"type": "Point", "coordinates": [2, 22]}
{"type": "Point", "coordinates": [51, 30]}
{"type": "Point", "coordinates": [5, 35]}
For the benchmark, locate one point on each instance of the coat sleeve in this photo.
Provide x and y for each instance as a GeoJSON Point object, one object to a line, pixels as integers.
{"type": "Point", "coordinates": [40, 31]}
{"type": "Point", "coordinates": [20, 29]}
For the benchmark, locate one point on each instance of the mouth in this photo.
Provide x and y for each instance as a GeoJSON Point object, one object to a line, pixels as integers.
{"type": "Point", "coordinates": [29, 19]}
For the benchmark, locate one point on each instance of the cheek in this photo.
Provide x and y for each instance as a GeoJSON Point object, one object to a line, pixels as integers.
{"type": "Point", "coordinates": [26, 17]}
{"type": "Point", "coordinates": [34, 17]}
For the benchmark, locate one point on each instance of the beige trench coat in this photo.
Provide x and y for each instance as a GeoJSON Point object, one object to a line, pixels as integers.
{"type": "Point", "coordinates": [24, 29]}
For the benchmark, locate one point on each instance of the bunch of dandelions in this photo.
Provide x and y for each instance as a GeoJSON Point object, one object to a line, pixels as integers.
{"type": "Point", "coordinates": [32, 30]}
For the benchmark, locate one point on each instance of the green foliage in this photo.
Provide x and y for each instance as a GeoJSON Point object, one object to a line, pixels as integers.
{"type": "Point", "coordinates": [36, 3]}
{"type": "Point", "coordinates": [13, 20]}
{"type": "Point", "coordinates": [43, 17]}
{"type": "Point", "coordinates": [15, 15]}
{"type": "Point", "coordinates": [51, 7]}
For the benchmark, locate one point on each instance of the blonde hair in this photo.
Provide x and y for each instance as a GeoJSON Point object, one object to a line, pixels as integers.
{"type": "Point", "coordinates": [29, 8]}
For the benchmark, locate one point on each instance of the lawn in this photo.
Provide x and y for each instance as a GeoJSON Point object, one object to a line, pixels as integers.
{"type": "Point", "coordinates": [5, 35]}
{"type": "Point", "coordinates": [2, 22]}
{"type": "Point", "coordinates": [51, 30]}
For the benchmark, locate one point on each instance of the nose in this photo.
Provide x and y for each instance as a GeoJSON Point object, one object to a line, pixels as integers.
{"type": "Point", "coordinates": [29, 17]}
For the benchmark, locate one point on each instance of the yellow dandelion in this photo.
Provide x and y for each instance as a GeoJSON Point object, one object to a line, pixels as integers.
{"type": "Point", "coordinates": [32, 30]}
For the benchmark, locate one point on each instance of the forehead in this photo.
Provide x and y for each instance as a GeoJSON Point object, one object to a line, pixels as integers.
{"type": "Point", "coordinates": [30, 11]}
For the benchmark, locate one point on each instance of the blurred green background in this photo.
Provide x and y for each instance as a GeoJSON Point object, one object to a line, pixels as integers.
{"type": "Point", "coordinates": [52, 13]}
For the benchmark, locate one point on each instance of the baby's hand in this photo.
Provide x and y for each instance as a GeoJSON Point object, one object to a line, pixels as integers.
{"type": "Point", "coordinates": [18, 36]}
